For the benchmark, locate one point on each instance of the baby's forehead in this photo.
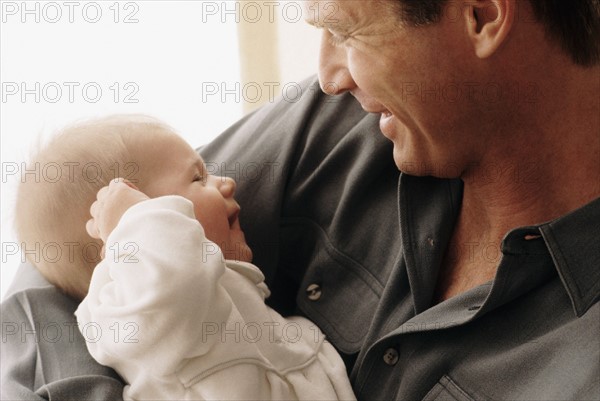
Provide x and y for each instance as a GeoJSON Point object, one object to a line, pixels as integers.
{"type": "Point", "coordinates": [173, 146]}
{"type": "Point", "coordinates": [163, 141]}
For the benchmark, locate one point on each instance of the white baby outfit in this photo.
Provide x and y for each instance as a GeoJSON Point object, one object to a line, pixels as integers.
{"type": "Point", "coordinates": [178, 322]}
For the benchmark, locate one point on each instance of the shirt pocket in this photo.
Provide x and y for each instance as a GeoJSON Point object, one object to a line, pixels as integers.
{"type": "Point", "coordinates": [447, 390]}
{"type": "Point", "coordinates": [336, 292]}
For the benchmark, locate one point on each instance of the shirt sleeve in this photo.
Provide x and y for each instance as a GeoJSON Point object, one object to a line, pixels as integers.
{"type": "Point", "coordinates": [157, 288]}
{"type": "Point", "coordinates": [43, 354]}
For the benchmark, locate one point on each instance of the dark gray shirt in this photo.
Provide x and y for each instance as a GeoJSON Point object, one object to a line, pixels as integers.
{"type": "Point", "coordinates": [342, 243]}
{"type": "Point", "coordinates": [533, 333]}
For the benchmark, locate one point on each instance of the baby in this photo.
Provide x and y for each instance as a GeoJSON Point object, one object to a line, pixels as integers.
{"type": "Point", "coordinates": [170, 298]}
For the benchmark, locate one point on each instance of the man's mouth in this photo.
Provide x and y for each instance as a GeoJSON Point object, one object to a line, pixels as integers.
{"type": "Point", "coordinates": [386, 122]}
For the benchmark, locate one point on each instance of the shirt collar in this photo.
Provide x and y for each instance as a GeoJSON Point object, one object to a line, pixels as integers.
{"type": "Point", "coordinates": [428, 208]}
{"type": "Point", "coordinates": [573, 241]}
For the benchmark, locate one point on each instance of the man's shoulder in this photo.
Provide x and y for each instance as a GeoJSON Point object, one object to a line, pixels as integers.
{"type": "Point", "coordinates": [43, 351]}
{"type": "Point", "coordinates": [39, 303]}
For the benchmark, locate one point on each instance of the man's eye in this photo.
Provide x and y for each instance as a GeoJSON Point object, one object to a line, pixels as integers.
{"type": "Point", "coordinates": [337, 39]}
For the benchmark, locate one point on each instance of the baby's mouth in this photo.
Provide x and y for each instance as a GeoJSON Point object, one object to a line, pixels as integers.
{"type": "Point", "coordinates": [233, 218]}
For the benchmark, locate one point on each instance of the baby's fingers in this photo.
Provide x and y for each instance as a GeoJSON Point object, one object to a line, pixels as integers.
{"type": "Point", "coordinates": [95, 209]}
{"type": "Point", "coordinates": [102, 192]}
{"type": "Point", "coordinates": [92, 228]}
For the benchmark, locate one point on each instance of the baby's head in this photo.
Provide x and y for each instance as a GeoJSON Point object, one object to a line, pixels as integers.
{"type": "Point", "coordinates": [53, 207]}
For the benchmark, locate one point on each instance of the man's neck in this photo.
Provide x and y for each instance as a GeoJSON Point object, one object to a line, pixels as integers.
{"type": "Point", "coordinates": [551, 168]}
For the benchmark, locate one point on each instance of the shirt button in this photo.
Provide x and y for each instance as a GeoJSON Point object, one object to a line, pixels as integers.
{"type": "Point", "coordinates": [313, 292]}
{"type": "Point", "coordinates": [390, 356]}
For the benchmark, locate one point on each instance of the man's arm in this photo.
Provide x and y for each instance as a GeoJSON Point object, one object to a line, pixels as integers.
{"type": "Point", "coordinates": [44, 357]}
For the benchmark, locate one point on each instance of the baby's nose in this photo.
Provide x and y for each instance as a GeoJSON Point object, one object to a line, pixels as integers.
{"type": "Point", "coordinates": [227, 186]}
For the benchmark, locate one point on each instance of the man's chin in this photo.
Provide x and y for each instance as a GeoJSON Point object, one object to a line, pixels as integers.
{"type": "Point", "coordinates": [405, 164]}
{"type": "Point", "coordinates": [425, 167]}
{"type": "Point", "coordinates": [411, 163]}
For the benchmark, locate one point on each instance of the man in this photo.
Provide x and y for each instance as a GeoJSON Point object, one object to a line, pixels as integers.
{"type": "Point", "coordinates": [502, 94]}
{"type": "Point", "coordinates": [465, 97]}
{"type": "Point", "coordinates": [476, 278]}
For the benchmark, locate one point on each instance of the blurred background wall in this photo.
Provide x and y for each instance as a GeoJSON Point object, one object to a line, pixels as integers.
{"type": "Point", "coordinates": [198, 65]}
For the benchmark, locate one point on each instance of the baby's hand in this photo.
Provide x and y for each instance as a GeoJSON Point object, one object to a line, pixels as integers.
{"type": "Point", "coordinates": [111, 202]}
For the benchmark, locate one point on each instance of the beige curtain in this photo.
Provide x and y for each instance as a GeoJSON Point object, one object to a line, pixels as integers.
{"type": "Point", "coordinates": [258, 46]}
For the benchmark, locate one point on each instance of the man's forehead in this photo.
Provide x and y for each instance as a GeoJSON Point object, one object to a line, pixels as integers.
{"type": "Point", "coordinates": [328, 13]}
{"type": "Point", "coordinates": [342, 14]}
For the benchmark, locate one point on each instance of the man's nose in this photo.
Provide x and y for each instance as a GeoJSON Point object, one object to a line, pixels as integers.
{"type": "Point", "coordinates": [334, 76]}
{"type": "Point", "coordinates": [227, 186]}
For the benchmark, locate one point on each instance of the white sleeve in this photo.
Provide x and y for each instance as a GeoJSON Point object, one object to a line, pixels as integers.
{"type": "Point", "coordinates": [156, 289]}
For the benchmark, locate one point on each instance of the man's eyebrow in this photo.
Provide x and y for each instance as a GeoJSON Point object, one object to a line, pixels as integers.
{"type": "Point", "coordinates": [334, 23]}
{"type": "Point", "coordinates": [312, 22]}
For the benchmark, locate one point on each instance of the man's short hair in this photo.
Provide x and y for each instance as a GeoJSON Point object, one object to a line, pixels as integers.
{"type": "Point", "coordinates": [573, 24]}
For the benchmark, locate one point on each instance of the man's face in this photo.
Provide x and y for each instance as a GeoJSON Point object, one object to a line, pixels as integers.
{"type": "Point", "coordinates": [409, 75]}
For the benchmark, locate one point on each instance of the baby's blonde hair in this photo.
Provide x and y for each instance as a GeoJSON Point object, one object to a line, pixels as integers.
{"type": "Point", "coordinates": [54, 197]}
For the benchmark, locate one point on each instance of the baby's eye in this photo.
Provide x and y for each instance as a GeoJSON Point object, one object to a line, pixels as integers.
{"type": "Point", "coordinates": [198, 178]}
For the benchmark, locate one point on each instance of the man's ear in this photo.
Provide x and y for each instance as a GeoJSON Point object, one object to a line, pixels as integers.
{"type": "Point", "coordinates": [488, 23]}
